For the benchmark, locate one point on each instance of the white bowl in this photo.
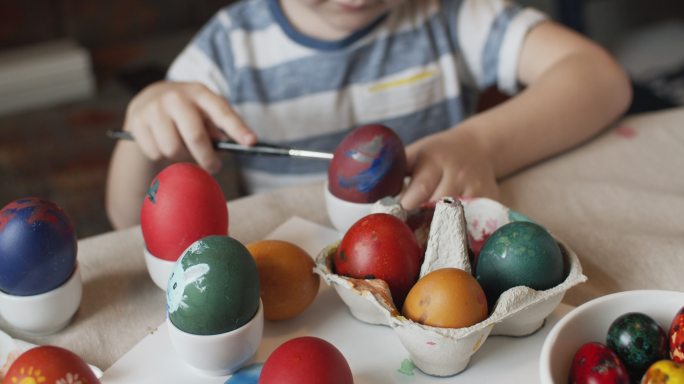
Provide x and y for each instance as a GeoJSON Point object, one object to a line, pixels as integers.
{"type": "Point", "coordinates": [590, 322]}
{"type": "Point", "coordinates": [159, 269]}
{"type": "Point", "coordinates": [44, 313]}
{"type": "Point", "coordinates": [344, 213]}
{"type": "Point", "coordinates": [220, 354]}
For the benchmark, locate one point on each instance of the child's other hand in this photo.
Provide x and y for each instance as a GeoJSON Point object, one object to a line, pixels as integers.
{"type": "Point", "coordinates": [450, 163]}
{"type": "Point", "coordinates": [176, 121]}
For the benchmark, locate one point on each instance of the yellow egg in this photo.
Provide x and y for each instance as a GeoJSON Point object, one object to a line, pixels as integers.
{"type": "Point", "coordinates": [288, 284]}
{"type": "Point", "coordinates": [664, 371]}
{"type": "Point", "coordinates": [446, 298]}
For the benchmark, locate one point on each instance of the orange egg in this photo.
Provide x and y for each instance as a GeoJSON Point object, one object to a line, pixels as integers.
{"type": "Point", "coordinates": [288, 284]}
{"type": "Point", "coordinates": [446, 298]}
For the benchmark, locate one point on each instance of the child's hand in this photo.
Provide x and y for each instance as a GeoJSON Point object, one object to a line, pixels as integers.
{"type": "Point", "coordinates": [450, 163]}
{"type": "Point", "coordinates": [178, 120]}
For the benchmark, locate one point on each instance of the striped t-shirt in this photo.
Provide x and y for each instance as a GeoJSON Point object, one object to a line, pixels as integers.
{"type": "Point", "coordinates": [417, 70]}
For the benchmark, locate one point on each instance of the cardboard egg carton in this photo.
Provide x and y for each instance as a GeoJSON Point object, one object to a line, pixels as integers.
{"type": "Point", "coordinates": [519, 311]}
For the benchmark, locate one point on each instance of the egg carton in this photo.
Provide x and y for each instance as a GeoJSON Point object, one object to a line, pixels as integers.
{"type": "Point", "coordinates": [436, 351]}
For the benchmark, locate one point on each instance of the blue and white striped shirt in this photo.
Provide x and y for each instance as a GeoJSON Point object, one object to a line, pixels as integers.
{"type": "Point", "coordinates": [417, 70]}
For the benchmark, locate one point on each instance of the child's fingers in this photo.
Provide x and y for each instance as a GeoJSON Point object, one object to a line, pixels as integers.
{"type": "Point", "coordinates": [143, 137]}
{"type": "Point", "coordinates": [424, 180]}
{"type": "Point", "coordinates": [166, 134]}
{"type": "Point", "coordinates": [195, 135]}
{"type": "Point", "coordinates": [224, 117]}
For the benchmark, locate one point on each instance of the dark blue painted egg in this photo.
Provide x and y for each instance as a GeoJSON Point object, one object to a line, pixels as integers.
{"type": "Point", "coordinates": [368, 164]}
{"type": "Point", "coordinates": [519, 254]}
{"type": "Point", "coordinates": [638, 340]}
{"type": "Point", "coordinates": [37, 247]}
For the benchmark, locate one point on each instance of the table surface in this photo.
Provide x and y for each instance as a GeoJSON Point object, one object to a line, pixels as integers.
{"type": "Point", "coordinates": [617, 200]}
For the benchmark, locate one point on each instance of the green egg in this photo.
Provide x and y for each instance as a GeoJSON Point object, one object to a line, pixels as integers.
{"type": "Point", "coordinates": [214, 287]}
{"type": "Point", "coordinates": [519, 253]}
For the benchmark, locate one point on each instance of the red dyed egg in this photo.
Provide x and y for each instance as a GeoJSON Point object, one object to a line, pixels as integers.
{"type": "Point", "coordinates": [306, 360]}
{"type": "Point", "coordinates": [369, 164]}
{"type": "Point", "coordinates": [595, 363]}
{"type": "Point", "coordinates": [183, 204]}
{"type": "Point", "coordinates": [676, 337]}
{"type": "Point", "coordinates": [49, 364]}
{"type": "Point", "coordinates": [381, 246]}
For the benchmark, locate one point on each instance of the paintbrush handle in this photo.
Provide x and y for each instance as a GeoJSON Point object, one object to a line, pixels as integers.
{"type": "Point", "coordinates": [258, 149]}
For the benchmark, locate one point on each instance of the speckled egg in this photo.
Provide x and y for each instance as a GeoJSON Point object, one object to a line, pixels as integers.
{"type": "Point", "coordinates": [368, 164]}
{"type": "Point", "coordinates": [595, 363]}
{"type": "Point", "coordinates": [49, 364]}
{"type": "Point", "coordinates": [638, 340]}
{"type": "Point", "coordinates": [37, 247]}
{"type": "Point", "coordinates": [446, 298]}
{"type": "Point", "coordinates": [214, 287]}
{"type": "Point", "coordinates": [664, 372]}
{"type": "Point", "coordinates": [519, 254]}
{"type": "Point", "coordinates": [676, 337]}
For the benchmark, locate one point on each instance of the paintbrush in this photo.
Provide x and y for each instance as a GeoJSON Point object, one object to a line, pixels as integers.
{"type": "Point", "coordinates": [257, 149]}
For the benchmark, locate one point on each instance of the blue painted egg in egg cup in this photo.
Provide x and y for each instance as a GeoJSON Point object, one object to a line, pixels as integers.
{"type": "Point", "coordinates": [215, 316]}
{"type": "Point", "coordinates": [159, 269]}
{"type": "Point", "coordinates": [40, 284]}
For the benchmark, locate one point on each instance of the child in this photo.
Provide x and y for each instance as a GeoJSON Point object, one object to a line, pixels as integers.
{"type": "Point", "coordinates": [302, 73]}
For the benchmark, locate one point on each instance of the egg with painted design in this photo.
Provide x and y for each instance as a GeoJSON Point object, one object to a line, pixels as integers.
{"type": "Point", "coordinates": [184, 203]}
{"type": "Point", "coordinates": [638, 340]}
{"type": "Point", "coordinates": [37, 247]}
{"type": "Point", "coordinates": [664, 372]}
{"type": "Point", "coordinates": [49, 364]}
{"type": "Point", "coordinates": [676, 337]}
{"type": "Point", "coordinates": [214, 287]}
{"type": "Point", "coordinates": [368, 164]}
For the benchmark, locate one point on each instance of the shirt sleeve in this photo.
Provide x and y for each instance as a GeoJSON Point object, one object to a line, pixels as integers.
{"type": "Point", "coordinates": [490, 36]}
{"type": "Point", "coordinates": [207, 58]}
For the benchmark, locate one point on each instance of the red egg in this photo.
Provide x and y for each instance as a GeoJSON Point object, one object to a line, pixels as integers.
{"type": "Point", "coordinates": [369, 164]}
{"type": "Point", "coordinates": [381, 246]}
{"type": "Point", "coordinates": [183, 204]}
{"type": "Point", "coordinates": [49, 364]}
{"type": "Point", "coordinates": [676, 337]}
{"type": "Point", "coordinates": [306, 360]}
{"type": "Point", "coordinates": [595, 363]}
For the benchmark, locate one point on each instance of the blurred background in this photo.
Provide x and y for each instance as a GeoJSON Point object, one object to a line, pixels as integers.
{"type": "Point", "coordinates": [69, 67]}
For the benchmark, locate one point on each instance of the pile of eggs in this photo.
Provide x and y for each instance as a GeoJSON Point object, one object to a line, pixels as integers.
{"type": "Point", "coordinates": [438, 290]}
{"type": "Point", "coordinates": [637, 349]}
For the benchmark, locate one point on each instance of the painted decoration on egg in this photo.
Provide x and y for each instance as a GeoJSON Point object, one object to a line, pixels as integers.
{"type": "Point", "coordinates": [676, 337]}
{"type": "Point", "coordinates": [214, 287]}
{"type": "Point", "coordinates": [37, 247]}
{"type": "Point", "coordinates": [183, 203]}
{"type": "Point", "coordinates": [369, 164]}
{"type": "Point", "coordinates": [49, 364]}
{"type": "Point", "coordinates": [638, 340]}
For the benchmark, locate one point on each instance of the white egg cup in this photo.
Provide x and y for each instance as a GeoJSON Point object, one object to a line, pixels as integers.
{"type": "Point", "coordinates": [344, 213]}
{"type": "Point", "coordinates": [220, 354]}
{"type": "Point", "coordinates": [44, 313]}
{"type": "Point", "coordinates": [159, 269]}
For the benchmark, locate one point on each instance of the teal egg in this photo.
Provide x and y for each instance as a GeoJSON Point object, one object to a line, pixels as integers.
{"type": "Point", "coordinates": [214, 287]}
{"type": "Point", "coordinates": [519, 253]}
